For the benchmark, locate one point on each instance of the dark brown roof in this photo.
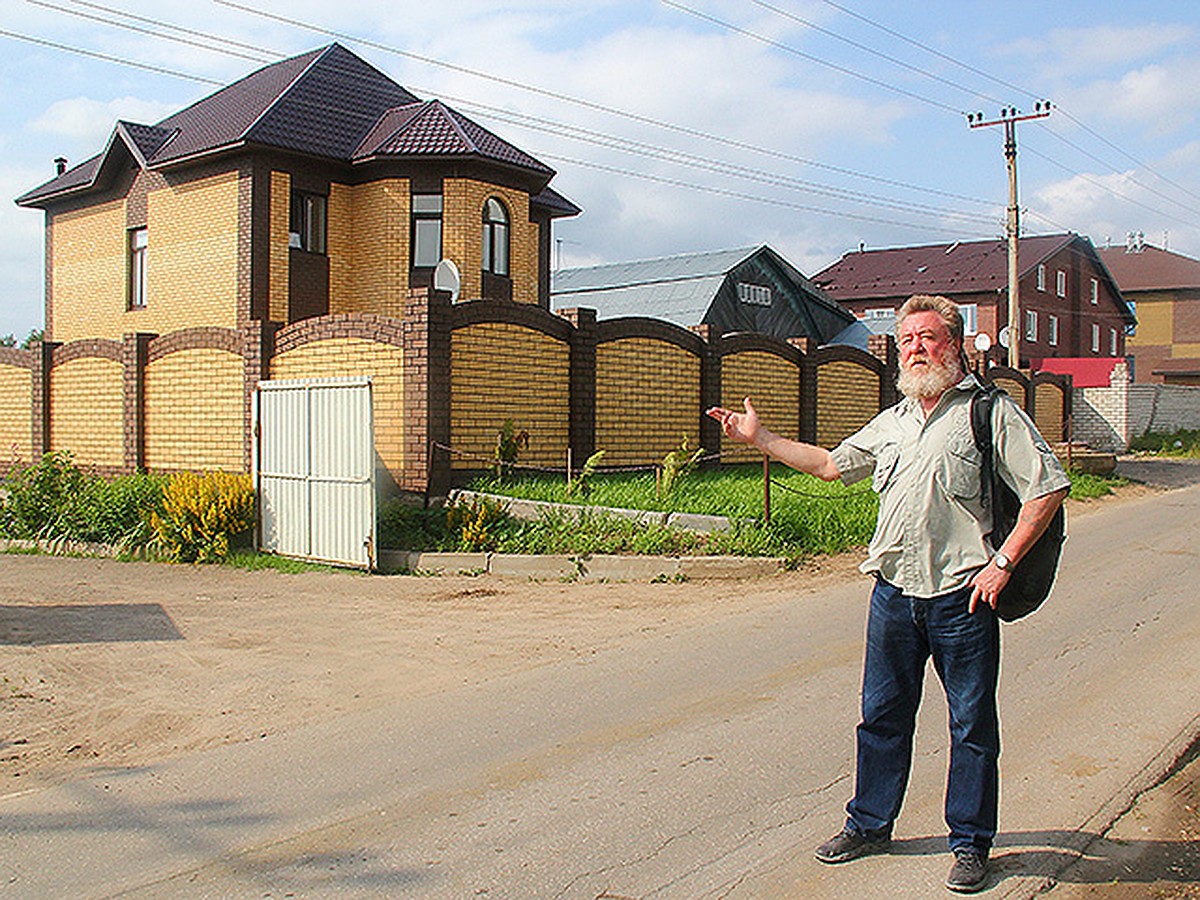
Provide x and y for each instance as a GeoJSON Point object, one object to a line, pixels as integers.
{"type": "Point", "coordinates": [1151, 269]}
{"type": "Point", "coordinates": [327, 103]}
{"type": "Point", "coordinates": [948, 269]}
{"type": "Point", "coordinates": [434, 129]}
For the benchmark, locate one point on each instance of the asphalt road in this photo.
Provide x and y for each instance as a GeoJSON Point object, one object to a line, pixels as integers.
{"type": "Point", "coordinates": [703, 763]}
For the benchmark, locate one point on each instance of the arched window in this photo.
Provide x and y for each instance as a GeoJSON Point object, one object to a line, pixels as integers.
{"type": "Point", "coordinates": [495, 237]}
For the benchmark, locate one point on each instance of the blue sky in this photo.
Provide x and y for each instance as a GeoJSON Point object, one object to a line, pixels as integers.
{"type": "Point", "coordinates": [810, 125]}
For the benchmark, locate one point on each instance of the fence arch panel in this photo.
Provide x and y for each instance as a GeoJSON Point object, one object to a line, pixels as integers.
{"type": "Point", "coordinates": [87, 403]}
{"type": "Point", "coordinates": [16, 406]}
{"type": "Point", "coordinates": [848, 392]}
{"type": "Point", "coordinates": [771, 379]}
{"type": "Point", "coordinates": [194, 409]}
{"type": "Point", "coordinates": [505, 370]}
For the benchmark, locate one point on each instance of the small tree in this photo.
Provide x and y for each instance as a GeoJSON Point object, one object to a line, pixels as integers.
{"type": "Point", "coordinates": [678, 463]}
{"type": "Point", "coordinates": [509, 444]}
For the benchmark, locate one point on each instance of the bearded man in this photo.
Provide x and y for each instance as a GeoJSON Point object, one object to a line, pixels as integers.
{"type": "Point", "coordinates": [936, 579]}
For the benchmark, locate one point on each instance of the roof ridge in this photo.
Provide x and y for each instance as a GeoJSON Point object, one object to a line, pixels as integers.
{"type": "Point", "coordinates": [283, 92]}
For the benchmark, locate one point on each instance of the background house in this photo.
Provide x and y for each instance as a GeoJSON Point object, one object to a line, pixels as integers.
{"type": "Point", "coordinates": [1164, 287]}
{"type": "Point", "coordinates": [743, 290]}
{"type": "Point", "coordinates": [1070, 304]}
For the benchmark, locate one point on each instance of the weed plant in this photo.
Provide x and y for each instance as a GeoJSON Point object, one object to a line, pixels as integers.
{"type": "Point", "coordinates": [1184, 442]}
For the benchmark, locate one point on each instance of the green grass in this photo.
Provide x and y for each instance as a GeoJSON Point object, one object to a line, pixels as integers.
{"type": "Point", "coordinates": [807, 516]}
{"type": "Point", "coordinates": [255, 562]}
{"type": "Point", "coordinates": [1085, 486]}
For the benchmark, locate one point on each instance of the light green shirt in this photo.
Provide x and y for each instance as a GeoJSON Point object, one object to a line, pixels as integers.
{"type": "Point", "coordinates": [929, 538]}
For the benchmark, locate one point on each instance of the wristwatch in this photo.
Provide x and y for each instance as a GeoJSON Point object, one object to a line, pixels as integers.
{"type": "Point", "coordinates": [1003, 563]}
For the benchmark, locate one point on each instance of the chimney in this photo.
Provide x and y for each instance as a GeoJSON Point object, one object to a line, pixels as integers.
{"type": "Point", "coordinates": [60, 164]}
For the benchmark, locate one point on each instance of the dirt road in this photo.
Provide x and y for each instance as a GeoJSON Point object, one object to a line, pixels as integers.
{"type": "Point", "coordinates": [109, 664]}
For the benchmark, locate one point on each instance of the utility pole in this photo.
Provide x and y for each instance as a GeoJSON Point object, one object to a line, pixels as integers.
{"type": "Point", "coordinates": [1009, 117]}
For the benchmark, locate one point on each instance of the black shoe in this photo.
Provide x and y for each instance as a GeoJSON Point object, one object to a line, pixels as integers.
{"type": "Point", "coordinates": [849, 844]}
{"type": "Point", "coordinates": [969, 871]}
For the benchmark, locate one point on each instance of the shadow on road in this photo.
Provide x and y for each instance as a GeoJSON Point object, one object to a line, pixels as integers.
{"type": "Point", "coordinates": [1075, 857]}
{"type": "Point", "coordinates": [86, 624]}
{"type": "Point", "coordinates": [1164, 472]}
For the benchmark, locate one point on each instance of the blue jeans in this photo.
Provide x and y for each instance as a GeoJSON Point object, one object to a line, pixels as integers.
{"type": "Point", "coordinates": [902, 633]}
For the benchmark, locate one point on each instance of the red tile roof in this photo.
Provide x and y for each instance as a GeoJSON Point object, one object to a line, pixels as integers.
{"type": "Point", "coordinates": [948, 269]}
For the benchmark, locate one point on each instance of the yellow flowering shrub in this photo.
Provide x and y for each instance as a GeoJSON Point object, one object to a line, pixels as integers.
{"type": "Point", "coordinates": [201, 512]}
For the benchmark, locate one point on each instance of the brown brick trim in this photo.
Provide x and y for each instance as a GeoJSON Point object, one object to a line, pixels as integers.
{"type": "Point", "coordinates": [743, 342]}
{"type": "Point", "coordinates": [655, 329]}
{"type": "Point", "coordinates": [227, 339]}
{"type": "Point", "coordinates": [582, 427]}
{"type": "Point", "coordinates": [381, 329]}
{"type": "Point", "coordinates": [526, 315]}
{"type": "Point", "coordinates": [20, 359]}
{"type": "Point", "coordinates": [135, 352]}
{"type": "Point", "coordinates": [1006, 373]}
{"type": "Point", "coordinates": [89, 348]}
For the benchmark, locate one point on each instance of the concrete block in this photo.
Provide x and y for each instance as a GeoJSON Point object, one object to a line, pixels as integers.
{"type": "Point", "coordinates": [628, 568]}
{"type": "Point", "coordinates": [695, 522]}
{"type": "Point", "coordinates": [538, 568]}
{"type": "Point", "coordinates": [442, 563]}
{"type": "Point", "coordinates": [729, 566]}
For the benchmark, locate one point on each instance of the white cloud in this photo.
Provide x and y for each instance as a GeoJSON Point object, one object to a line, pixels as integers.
{"type": "Point", "coordinates": [1074, 51]}
{"type": "Point", "coordinates": [83, 119]}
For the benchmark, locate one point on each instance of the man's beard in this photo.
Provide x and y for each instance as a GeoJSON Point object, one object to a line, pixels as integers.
{"type": "Point", "coordinates": [938, 377]}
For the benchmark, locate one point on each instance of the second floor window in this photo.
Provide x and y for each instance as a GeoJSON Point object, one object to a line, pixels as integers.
{"type": "Point", "coordinates": [1030, 325]}
{"type": "Point", "coordinates": [1061, 287]}
{"type": "Point", "coordinates": [1095, 292]}
{"type": "Point", "coordinates": [495, 237]}
{"type": "Point", "coordinates": [970, 314]}
{"type": "Point", "coordinates": [426, 230]}
{"type": "Point", "coordinates": [1041, 277]}
{"type": "Point", "coordinates": [139, 241]}
{"type": "Point", "coordinates": [1095, 338]}
{"type": "Point", "coordinates": [307, 230]}
{"type": "Point", "coordinates": [1052, 337]}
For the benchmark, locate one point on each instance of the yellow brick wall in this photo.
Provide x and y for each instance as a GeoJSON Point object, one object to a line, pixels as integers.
{"type": "Point", "coordinates": [1048, 405]}
{"type": "Point", "coordinates": [462, 236]}
{"type": "Point", "coordinates": [1156, 322]}
{"type": "Point", "coordinates": [355, 357]}
{"type": "Point", "coordinates": [280, 254]}
{"type": "Point", "coordinates": [16, 414]}
{"type": "Point", "coordinates": [194, 411]}
{"type": "Point", "coordinates": [771, 383]}
{"type": "Point", "coordinates": [502, 371]}
{"type": "Point", "coordinates": [192, 259]}
{"type": "Point", "coordinates": [847, 398]}
{"type": "Point", "coordinates": [368, 243]}
{"type": "Point", "coordinates": [1013, 389]}
{"type": "Point", "coordinates": [88, 262]}
{"type": "Point", "coordinates": [647, 399]}
{"type": "Point", "coordinates": [86, 411]}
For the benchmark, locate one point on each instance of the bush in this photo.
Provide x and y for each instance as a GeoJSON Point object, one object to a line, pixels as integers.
{"type": "Point", "coordinates": [54, 499]}
{"type": "Point", "coordinates": [1185, 442]}
{"type": "Point", "coordinates": [477, 523]}
{"type": "Point", "coordinates": [201, 512]}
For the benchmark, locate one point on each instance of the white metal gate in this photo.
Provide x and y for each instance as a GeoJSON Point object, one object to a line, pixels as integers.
{"type": "Point", "coordinates": [315, 469]}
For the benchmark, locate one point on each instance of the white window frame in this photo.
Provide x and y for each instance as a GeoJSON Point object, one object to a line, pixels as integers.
{"type": "Point", "coordinates": [139, 244]}
{"type": "Point", "coordinates": [1095, 292]}
{"type": "Point", "coordinates": [754, 294]}
{"type": "Point", "coordinates": [427, 209]}
{"type": "Point", "coordinates": [970, 314]}
{"type": "Point", "coordinates": [308, 218]}
{"type": "Point", "coordinates": [1041, 277]}
{"type": "Point", "coordinates": [1095, 337]}
{"type": "Point", "coordinates": [1031, 325]}
{"type": "Point", "coordinates": [1060, 283]}
{"type": "Point", "coordinates": [1052, 328]}
{"type": "Point", "coordinates": [1112, 342]}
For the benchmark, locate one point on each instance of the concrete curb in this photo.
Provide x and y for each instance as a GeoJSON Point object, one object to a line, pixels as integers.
{"type": "Point", "coordinates": [535, 509]}
{"type": "Point", "coordinates": [580, 568]}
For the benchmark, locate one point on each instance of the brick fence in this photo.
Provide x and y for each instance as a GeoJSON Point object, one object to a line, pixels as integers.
{"type": "Point", "coordinates": [450, 376]}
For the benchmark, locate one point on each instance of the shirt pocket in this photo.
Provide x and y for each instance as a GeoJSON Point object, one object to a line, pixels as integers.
{"type": "Point", "coordinates": [960, 471]}
{"type": "Point", "coordinates": [885, 467]}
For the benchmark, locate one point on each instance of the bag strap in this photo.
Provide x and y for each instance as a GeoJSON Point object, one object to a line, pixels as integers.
{"type": "Point", "coordinates": [981, 429]}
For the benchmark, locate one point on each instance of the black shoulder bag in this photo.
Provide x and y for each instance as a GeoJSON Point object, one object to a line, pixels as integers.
{"type": "Point", "coordinates": [1033, 576]}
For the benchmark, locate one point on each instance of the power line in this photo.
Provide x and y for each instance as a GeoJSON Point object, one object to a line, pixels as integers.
{"type": "Point", "coordinates": [779, 45]}
{"type": "Point", "coordinates": [54, 45]}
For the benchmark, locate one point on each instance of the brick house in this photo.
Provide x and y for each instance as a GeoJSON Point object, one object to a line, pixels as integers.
{"type": "Point", "coordinates": [1164, 287]}
{"type": "Point", "coordinates": [313, 186]}
{"type": "Point", "coordinates": [1070, 305]}
{"type": "Point", "coordinates": [289, 225]}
